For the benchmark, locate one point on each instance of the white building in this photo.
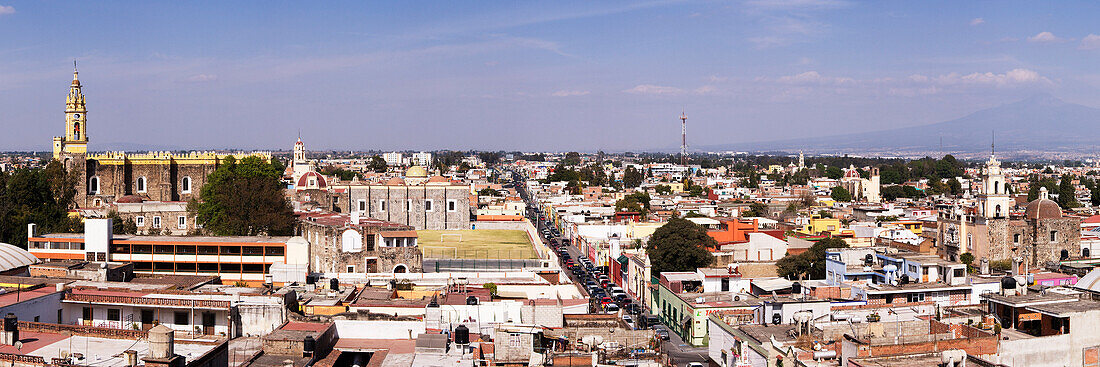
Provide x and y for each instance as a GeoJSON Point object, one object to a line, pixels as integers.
{"type": "Point", "coordinates": [392, 158]}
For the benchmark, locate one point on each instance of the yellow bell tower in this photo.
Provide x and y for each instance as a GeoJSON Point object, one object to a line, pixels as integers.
{"type": "Point", "coordinates": [75, 140]}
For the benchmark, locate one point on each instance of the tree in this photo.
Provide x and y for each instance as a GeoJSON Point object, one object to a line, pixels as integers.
{"type": "Point", "coordinates": [663, 189]}
{"type": "Point", "coordinates": [636, 202]}
{"type": "Point", "coordinates": [809, 264]}
{"type": "Point", "coordinates": [632, 177]}
{"type": "Point", "coordinates": [244, 199]}
{"type": "Point", "coordinates": [121, 226]}
{"type": "Point", "coordinates": [377, 164]}
{"type": "Point", "coordinates": [42, 196]}
{"type": "Point", "coordinates": [966, 258]}
{"type": "Point", "coordinates": [571, 159]}
{"type": "Point", "coordinates": [834, 172]}
{"type": "Point", "coordinates": [1067, 194]}
{"type": "Point", "coordinates": [679, 245]}
{"type": "Point", "coordinates": [342, 174]}
{"type": "Point", "coordinates": [574, 187]}
{"type": "Point", "coordinates": [807, 199]}
{"type": "Point", "coordinates": [756, 209]}
{"type": "Point", "coordinates": [488, 192]}
{"type": "Point", "coordinates": [954, 186]}
{"type": "Point", "coordinates": [841, 194]}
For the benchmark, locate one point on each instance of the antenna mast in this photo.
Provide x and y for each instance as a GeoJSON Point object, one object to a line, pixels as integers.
{"type": "Point", "coordinates": [683, 137]}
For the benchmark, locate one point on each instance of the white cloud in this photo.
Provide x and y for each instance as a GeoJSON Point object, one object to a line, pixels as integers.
{"type": "Point", "coordinates": [977, 21]}
{"type": "Point", "coordinates": [202, 78]}
{"type": "Point", "coordinates": [7, 9]}
{"type": "Point", "coordinates": [1044, 37]}
{"type": "Point", "coordinates": [813, 77]}
{"type": "Point", "coordinates": [1090, 42]}
{"type": "Point", "coordinates": [570, 93]}
{"type": "Point", "coordinates": [654, 90]}
{"type": "Point", "coordinates": [1010, 78]}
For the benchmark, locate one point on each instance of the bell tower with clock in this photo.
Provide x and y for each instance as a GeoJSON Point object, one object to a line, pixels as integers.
{"type": "Point", "coordinates": [75, 140]}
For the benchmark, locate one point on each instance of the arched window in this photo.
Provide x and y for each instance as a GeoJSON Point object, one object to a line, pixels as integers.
{"type": "Point", "coordinates": [186, 185]}
{"type": "Point", "coordinates": [1085, 252]}
{"type": "Point", "coordinates": [76, 130]}
{"type": "Point", "coordinates": [997, 211]}
{"type": "Point", "coordinates": [141, 184]}
{"type": "Point", "coordinates": [93, 185]}
{"type": "Point", "coordinates": [996, 187]}
{"type": "Point", "coordinates": [351, 241]}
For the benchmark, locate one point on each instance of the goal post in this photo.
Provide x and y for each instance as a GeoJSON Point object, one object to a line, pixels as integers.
{"type": "Point", "coordinates": [443, 237]}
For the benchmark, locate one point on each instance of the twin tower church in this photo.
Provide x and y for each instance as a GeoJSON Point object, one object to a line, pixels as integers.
{"type": "Point", "coordinates": [104, 178]}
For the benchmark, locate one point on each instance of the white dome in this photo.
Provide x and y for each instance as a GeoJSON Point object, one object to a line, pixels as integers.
{"type": "Point", "coordinates": [12, 257]}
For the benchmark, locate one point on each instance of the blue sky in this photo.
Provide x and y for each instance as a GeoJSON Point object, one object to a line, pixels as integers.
{"type": "Point", "coordinates": [538, 75]}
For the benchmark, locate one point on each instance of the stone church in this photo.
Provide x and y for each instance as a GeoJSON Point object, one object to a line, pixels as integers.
{"type": "Point", "coordinates": [107, 177]}
{"type": "Point", "coordinates": [989, 231]}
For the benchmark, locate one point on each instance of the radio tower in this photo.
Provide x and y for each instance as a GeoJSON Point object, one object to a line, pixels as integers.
{"type": "Point", "coordinates": [683, 137]}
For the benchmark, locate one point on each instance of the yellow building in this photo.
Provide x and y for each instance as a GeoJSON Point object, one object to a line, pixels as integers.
{"type": "Point", "coordinates": [819, 225]}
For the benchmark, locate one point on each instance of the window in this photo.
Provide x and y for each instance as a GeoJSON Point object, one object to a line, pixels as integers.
{"type": "Point", "coordinates": [1016, 238]}
{"type": "Point", "coordinates": [381, 205]}
{"type": "Point", "coordinates": [156, 222]}
{"type": "Point", "coordinates": [428, 205]}
{"type": "Point", "coordinates": [1053, 236]}
{"type": "Point", "coordinates": [351, 268]}
{"type": "Point", "coordinates": [959, 273]}
{"type": "Point", "coordinates": [452, 205]}
{"type": "Point", "coordinates": [185, 185]}
{"type": "Point", "coordinates": [141, 184]}
{"type": "Point", "coordinates": [93, 185]}
{"type": "Point", "coordinates": [408, 205]}
{"type": "Point", "coordinates": [362, 205]}
{"type": "Point", "coordinates": [86, 313]}
{"type": "Point", "coordinates": [140, 221]}
{"type": "Point", "coordinates": [114, 314]}
{"type": "Point", "coordinates": [916, 297]}
{"type": "Point", "coordinates": [182, 222]}
{"type": "Point", "coordinates": [181, 318]}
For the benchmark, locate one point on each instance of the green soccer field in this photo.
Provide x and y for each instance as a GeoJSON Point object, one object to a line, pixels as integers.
{"type": "Point", "coordinates": [476, 244]}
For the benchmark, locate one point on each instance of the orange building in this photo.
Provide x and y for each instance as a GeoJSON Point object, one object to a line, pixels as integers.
{"type": "Point", "coordinates": [733, 230]}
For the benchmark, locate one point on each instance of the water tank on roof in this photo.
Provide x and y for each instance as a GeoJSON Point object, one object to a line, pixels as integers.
{"type": "Point", "coordinates": [462, 335]}
{"type": "Point", "coordinates": [1008, 283]}
{"type": "Point", "coordinates": [309, 344]}
{"type": "Point", "coordinates": [471, 300]}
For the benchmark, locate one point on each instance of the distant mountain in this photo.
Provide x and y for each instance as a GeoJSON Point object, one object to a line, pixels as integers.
{"type": "Point", "coordinates": [1039, 123]}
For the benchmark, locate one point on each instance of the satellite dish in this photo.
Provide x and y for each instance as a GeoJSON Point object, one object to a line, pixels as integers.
{"type": "Point", "coordinates": [18, 345]}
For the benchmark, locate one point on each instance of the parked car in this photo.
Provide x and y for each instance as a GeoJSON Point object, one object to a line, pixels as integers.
{"type": "Point", "coordinates": [611, 307]}
{"type": "Point", "coordinates": [629, 321]}
{"type": "Point", "coordinates": [661, 333]}
{"type": "Point", "coordinates": [652, 321]}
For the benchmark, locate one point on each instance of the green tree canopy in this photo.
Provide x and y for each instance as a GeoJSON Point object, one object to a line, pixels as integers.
{"type": "Point", "coordinates": [636, 202]}
{"type": "Point", "coordinates": [679, 245]}
{"type": "Point", "coordinates": [42, 196]}
{"type": "Point", "coordinates": [632, 177]}
{"type": "Point", "coordinates": [244, 199]}
{"type": "Point", "coordinates": [838, 193]}
{"type": "Point", "coordinates": [809, 264]}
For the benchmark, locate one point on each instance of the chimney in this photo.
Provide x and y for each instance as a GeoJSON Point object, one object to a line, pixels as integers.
{"type": "Point", "coordinates": [161, 348]}
{"type": "Point", "coordinates": [10, 335]}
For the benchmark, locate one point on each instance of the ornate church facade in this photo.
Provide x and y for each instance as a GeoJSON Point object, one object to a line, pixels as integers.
{"type": "Point", "coordinates": [106, 177]}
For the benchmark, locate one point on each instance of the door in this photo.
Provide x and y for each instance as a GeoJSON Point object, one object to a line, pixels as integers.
{"type": "Point", "coordinates": [146, 319]}
{"type": "Point", "coordinates": [208, 323]}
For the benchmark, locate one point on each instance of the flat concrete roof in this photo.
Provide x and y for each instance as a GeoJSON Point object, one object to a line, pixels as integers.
{"type": "Point", "coordinates": [1065, 309]}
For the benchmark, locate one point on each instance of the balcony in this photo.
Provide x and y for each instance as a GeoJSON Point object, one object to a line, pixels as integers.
{"type": "Point", "coordinates": [146, 301]}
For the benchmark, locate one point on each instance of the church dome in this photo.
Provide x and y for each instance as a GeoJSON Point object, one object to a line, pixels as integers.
{"type": "Point", "coordinates": [417, 172]}
{"type": "Point", "coordinates": [1042, 208]}
{"type": "Point", "coordinates": [396, 181]}
{"type": "Point", "coordinates": [312, 180]}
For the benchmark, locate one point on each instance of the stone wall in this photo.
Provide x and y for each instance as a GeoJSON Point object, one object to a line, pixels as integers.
{"type": "Point", "coordinates": [410, 205]}
{"type": "Point", "coordinates": [163, 180]}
